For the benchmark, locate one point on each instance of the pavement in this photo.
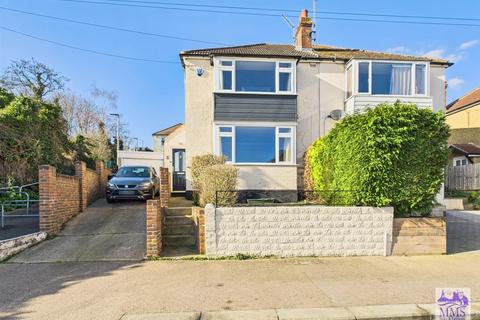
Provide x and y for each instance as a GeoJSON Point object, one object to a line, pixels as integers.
{"type": "Point", "coordinates": [103, 232]}
{"type": "Point", "coordinates": [112, 290]}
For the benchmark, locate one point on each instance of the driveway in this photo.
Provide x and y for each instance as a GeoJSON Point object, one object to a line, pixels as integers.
{"type": "Point", "coordinates": [103, 232]}
{"type": "Point", "coordinates": [463, 231]}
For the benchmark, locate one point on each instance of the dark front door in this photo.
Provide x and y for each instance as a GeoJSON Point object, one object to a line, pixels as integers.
{"type": "Point", "coordinates": [179, 163]}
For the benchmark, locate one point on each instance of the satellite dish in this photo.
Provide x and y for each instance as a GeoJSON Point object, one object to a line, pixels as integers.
{"type": "Point", "coordinates": [336, 114]}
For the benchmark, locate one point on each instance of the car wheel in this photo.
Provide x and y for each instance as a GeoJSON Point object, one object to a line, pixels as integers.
{"type": "Point", "coordinates": [110, 200]}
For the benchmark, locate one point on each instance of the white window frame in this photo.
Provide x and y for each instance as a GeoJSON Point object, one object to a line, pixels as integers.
{"type": "Point", "coordinates": [278, 135]}
{"type": "Point", "coordinates": [220, 135]}
{"type": "Point", "coordinates": [220, 75]}
{"type": "Point", "coordinates": [218, 68]}
{"type": "Point", "coordinates": [354, 64]}
{"type": "Point", "coordinates": [462, 158]}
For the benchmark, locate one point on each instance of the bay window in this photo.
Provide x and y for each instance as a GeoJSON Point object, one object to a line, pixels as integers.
{"type": "Point", "coordinates": [244, 144]}
{"type": "Point", "coordinates": [252, 76]}
{"type": "Point", "coordinates": [388, 78]}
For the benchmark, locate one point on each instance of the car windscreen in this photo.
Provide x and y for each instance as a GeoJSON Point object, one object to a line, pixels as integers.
{"type": "Point", "coordinates": [133, 172]}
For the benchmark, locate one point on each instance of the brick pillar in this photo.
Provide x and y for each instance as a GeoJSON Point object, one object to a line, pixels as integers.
{"type": "Point", "coordinates": [102, 179]}
{"type": "Point", "coordinates": [154, 228]}
{"type": "Point", "coordinates": [199, 214]}
{"type": "Point", "coordinates": [47, 176]}
{"type": "Point", "coordinates": [164, 187]}
{"type": "Point", "coordinates": [81, 173]}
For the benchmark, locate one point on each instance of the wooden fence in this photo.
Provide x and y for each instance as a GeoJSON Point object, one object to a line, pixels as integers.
{"type": "Point", "coordinates": [463, 177]}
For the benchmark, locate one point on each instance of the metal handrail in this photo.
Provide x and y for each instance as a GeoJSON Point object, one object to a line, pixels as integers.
{"type": "Point", "coordinates": [21, 192]}
{"type": "Point", "coordinates": [29, 185]}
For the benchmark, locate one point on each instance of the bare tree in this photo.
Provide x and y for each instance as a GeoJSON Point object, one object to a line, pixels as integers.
{"type": "Point", "coordinates": [32, 78]}
{"type": "Point", "coordinates": [89, 117]}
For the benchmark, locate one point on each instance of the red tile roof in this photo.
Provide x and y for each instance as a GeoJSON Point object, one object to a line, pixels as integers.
{"type": "Point", "coordinates": [470, 99]}
{"type": "Point", "coordinates": [467, 148]}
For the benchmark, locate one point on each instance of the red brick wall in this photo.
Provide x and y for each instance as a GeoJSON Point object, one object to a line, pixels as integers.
{"type": "Point", "coordinates": [93, 186]}
{"type": "Point", "coordinates": [62, 196]}
{"type": "Point", "coordinates": [199, 217]}
{"type": "Point", "coordinates": [68, 200]}
{"type": "Point", "coordinates": [154, 228]}
{"type": "Point", "coordinates": [155, 213]}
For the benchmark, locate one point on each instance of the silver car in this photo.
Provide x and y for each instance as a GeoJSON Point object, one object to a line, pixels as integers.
{"type": "Point", "coordinates": [133, 182]}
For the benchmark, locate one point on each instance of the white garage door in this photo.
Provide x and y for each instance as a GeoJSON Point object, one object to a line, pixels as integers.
{"type": "Point", "coordinates": [140, 158]}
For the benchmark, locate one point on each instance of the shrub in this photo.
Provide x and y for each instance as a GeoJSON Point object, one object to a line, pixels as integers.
{"type": "Point", "coordinates": [199, 163]}
{"type": "Point", "coordinates": [476, 204]}
{"type": "Point", "coordinates": [390, 155]}
{"type": "Point", "coordinates": [219, 177]}
{"type": "Point", "coordinates": [472, 196]}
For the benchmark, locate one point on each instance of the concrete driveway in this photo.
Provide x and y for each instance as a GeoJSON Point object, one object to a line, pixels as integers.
{"type": "Point", "coordinates": [103, 232]}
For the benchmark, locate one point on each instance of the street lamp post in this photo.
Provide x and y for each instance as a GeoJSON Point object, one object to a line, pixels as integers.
{"type": "Point", "coordinates": [118, 133]}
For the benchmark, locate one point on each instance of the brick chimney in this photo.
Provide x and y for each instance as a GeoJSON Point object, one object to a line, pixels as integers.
{"type": "Point", "coordinates": [303, 36]}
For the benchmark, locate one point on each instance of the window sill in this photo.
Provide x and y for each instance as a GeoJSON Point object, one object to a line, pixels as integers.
{"type": "Point", "coordinates": [263, 164]}
{"type": "Point", "coordinates": [259, 93]}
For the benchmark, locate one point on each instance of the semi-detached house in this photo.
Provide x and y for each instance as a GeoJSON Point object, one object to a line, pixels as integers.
{"type": "Point", "coordinates": [262, 105]}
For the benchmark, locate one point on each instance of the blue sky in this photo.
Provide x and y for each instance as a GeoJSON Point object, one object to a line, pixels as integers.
{"type": "Point", "coordinates": [151, 94]}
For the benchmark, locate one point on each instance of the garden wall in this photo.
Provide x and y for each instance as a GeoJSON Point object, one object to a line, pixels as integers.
{"type": "Point", "coordinates": [93, 186]}
{"type": "Point", "coordinates": [61, 197]}
{"type": "Point", "coordinates": [298, 231]}
{"type": "Point", "coordinates": [416, 236]}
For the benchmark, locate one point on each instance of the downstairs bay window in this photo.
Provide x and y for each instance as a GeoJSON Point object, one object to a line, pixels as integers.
{"type": "Point", "coordinates": [245, 144]}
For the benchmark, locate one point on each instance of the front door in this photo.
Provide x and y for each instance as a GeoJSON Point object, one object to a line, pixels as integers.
{"type": "Point", "coordinates": [179, 181]}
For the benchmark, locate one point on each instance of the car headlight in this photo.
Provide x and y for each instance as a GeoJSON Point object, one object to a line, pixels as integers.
{"type": "Point", "coordinates": [111, 185]}
{"type": "Point", "coordinates": [146, 184]}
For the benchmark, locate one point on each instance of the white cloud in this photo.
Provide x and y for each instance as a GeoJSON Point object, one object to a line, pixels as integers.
{"type": "Point", "coordinates": [436, 53]}
{"type": "Point", "coordinates": [468, 44]}
{"type": "Point", "coordinates": [439, 53]}
{"type": "Point", "coordinates": [399, 50]}
{"type": "Point", "coordinates": [454, 57]}
{"type": "Point", "coordinates": [455, 82]}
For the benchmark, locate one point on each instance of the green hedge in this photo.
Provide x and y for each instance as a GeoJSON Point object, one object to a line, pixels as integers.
{"type": "Point", "coordinates": [389, 155]}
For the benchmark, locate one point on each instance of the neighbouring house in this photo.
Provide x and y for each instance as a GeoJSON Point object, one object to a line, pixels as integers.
{"type": "Point", "coordinates": [463, 116]}
{"type": "Point", "coordinates": [463, 154]}
{"type": "Point", "coordinates": [170, 143]}
{"type": "Point", "coordinates": [262, 105]}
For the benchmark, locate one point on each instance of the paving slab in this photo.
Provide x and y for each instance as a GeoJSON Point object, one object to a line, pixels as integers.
{"type": "Point", "coordinates": [163, 316]}
{"type": "Point", "coordinates": [315, 314]}
{"type": "Point", "coordinates": [240, 315]}
{"type": "Point", "coordinates": [403, 311]}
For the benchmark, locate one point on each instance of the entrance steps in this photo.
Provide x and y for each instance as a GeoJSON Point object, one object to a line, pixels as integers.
{"type": "Point", "coordinates": [179, 228]}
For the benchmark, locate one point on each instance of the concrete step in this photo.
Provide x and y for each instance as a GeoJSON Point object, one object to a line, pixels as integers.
{"type": "Point", "coordinates": [178, 220]}
{"type": "Point", "coordinates": [178, 240]}
{"type": "Point", "coordinates": [178, 211]}
{"type": "Point", "coordinates": [182, 229]}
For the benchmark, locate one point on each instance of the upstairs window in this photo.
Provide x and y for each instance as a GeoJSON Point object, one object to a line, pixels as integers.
{"type": "Point", "coordinates": [386, 78]}
{"type": "Point", "coordinates": [255, 76]}
{"type": "Point", "coordinates": [420, 83]}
